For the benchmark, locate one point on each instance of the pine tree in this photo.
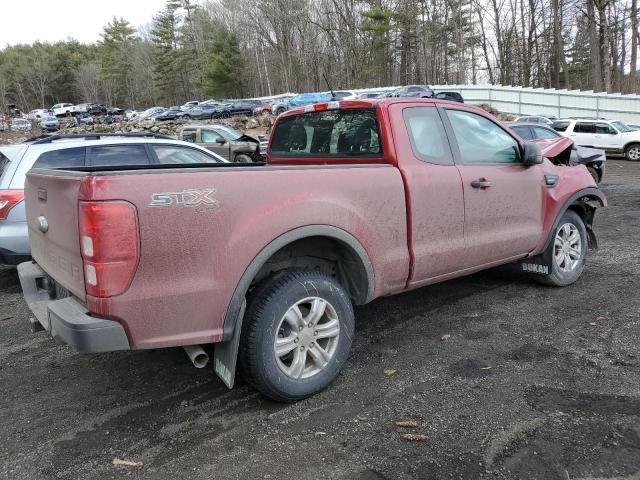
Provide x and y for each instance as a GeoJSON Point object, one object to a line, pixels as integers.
{"type": "Point", "coordinates": [114, 52]}
{"type": "Point", "coordinates": [226, 67]}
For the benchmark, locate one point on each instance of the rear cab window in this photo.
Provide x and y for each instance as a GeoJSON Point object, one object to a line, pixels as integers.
{"type": "Point", "coordinates": [328, 133]}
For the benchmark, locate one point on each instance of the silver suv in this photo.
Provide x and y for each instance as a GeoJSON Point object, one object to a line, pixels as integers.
{"type": "Point", "coordinates": [65, 151]}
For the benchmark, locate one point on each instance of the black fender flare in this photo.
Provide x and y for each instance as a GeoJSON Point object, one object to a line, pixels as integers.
{"type": "Point", "coordinates": [226, 352]}
{"type": "Point", "coordinates": [238, 297]}
{"type": "Point", "coordinates": [588, 199]}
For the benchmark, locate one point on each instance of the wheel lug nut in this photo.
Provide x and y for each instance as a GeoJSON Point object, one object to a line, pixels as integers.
{"type": "Point", "coordinates": [311, 324]}
{"type": "Point", "coordinates": [311, 345]}
{"type": "Point", "coordinates": [301, 349]}
{"type": "Point", "coordinates": [316, 333]}
{"type": "Point", "coordinates": [296, 340]}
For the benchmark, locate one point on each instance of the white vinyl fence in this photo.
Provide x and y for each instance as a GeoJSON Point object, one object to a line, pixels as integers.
{"type": "Point", "coordinates": [549, 101]}
{"type": "Point", "coordinates": [541, 101]}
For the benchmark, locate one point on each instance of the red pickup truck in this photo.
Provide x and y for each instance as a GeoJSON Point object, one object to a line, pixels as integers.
{"type": "Point", "coordinates": [359, 199]}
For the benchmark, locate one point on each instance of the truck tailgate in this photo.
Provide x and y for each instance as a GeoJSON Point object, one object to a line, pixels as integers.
{"type": "Point", "coordinates": [52, 213]}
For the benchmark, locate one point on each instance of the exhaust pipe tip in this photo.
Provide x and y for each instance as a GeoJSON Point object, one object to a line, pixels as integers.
{"type": "Point", "coordinates": [35, 325]}
{"type": "Point", "coordinates": [199, 358]}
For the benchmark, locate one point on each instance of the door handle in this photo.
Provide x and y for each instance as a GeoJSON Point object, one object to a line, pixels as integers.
{"type": "Point", "coordinates": [481, 183]}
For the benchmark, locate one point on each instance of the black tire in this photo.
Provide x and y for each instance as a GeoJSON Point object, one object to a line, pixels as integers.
{"type": "Point", "coordinates": [280, 110]}
{"type": "Point", "coordinates": [264, 323]}
{"type": "Point", "coordinates": [632, 152]}
{"type": "Point", "coordinates": [558, 276]}
{"type": "Point", "coordinates": [243, 158]}
{"type": "Point", "coordinates": [186, 117]}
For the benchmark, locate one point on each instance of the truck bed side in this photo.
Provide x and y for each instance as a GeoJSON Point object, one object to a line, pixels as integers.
{"type": "Point", "coordinates": [192, 257]}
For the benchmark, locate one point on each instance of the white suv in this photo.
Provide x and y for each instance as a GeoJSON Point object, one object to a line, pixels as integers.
{"type": "Point", "coordinates": [612, 136]}
{"type": "Point", "coordinates": [65, 151]}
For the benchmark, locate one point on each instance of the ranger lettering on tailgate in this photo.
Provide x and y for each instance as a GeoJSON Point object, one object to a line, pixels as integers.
{"type": "Point", "coordinates": [186, 198]}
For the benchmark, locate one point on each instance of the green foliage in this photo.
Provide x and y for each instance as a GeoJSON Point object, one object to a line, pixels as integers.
{"type": "Point", "coordinates": [166, 58]}
{"type": "Point", "coordinates": [226, 67]}
{"type": "Point", "coordinates": [114, 54]}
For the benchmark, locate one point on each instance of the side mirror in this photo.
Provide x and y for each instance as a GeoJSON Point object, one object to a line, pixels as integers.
{"type": "Point", "coordinates": [221, 141]}
{"type": "Point", "coordinates": [613, 132]}
{"type": "Point", "coordinates": [531, 154]}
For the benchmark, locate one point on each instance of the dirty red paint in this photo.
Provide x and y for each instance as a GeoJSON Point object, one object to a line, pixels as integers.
{"type": "Point", "coordinates": [419, 223]}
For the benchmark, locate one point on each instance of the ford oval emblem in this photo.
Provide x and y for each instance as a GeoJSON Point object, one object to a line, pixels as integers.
{"type": "Point", "coordinates": [43, 225]}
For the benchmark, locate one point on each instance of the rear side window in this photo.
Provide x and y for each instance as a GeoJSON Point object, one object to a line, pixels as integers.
{"type": "Point", "coordinates": [583, 127]}
{"type": "Point", "coordinates": [115, 155]}
{"type": "Point", "coordinates": [524, 132]}
{"type": "Point", "coordinates": [560, 126]}
{"type": "Point", "coordinates": [428, 137]}
{"type": "Point", "coordinates": [328, 133]}
{"type": "Point", "coordinates": [63, 158]}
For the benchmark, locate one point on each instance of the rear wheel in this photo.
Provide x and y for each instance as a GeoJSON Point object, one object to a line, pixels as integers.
{"type": "Point", "coordinates": [632, 152]}
{"type": "Point", "coordinates": [568, 251]}
{"type": "Point", "coordinates": [296, 334]}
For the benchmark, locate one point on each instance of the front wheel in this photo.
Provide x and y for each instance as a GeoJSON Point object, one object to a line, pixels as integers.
{"type": "Point", "coordinates": [568, 251]}
{"type": "Point", "coordinates": [242, 158]}
{"type": "Point", "coordinates": [296, 334]}
{"type": "Point", "coordinates": [632, 152]}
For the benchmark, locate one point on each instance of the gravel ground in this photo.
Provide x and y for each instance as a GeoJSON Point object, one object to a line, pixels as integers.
{"type": "Point", "coordinates": [533, 382]}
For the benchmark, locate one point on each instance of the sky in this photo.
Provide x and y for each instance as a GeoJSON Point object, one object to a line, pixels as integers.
{"type": "Point", "coordinates": [26, 21]}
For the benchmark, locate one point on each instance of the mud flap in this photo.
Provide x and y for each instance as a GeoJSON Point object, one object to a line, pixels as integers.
{"type": "Point", "coordinates": [540, 264]}
{"type": "Point", "coordinates": [225, 354]}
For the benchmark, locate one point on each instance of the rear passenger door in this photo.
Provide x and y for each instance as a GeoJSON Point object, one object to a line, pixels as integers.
{"type": "Point", "coordinates": [435, 202]}
{"type": "Point", "coordinates": [502, 197]}
{"type": "Point", "coordinates": [584, 133]}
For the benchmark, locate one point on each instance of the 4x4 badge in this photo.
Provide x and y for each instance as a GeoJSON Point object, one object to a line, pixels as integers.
{"type": "Point", "coordinates": [187, 198]}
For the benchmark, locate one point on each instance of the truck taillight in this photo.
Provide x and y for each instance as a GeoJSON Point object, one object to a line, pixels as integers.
{"type": "Point", "coordinates": [8, 200]}
{"type": "Point", "coordinates": [109, 246]}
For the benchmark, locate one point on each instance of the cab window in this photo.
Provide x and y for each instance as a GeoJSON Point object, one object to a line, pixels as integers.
{"type": "Point", "coordinates": [427, 135]}
{"type": "Point", "coordinates": [209, 136]}
{"type": "Point", "coordinates": [189, 136]}
{"type": "Point", "coordinates": [348, 132]}
{"type": "Point", "coordinates": [482, 141]}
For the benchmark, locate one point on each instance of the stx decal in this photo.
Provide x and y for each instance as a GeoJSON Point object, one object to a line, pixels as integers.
{"type": "Point", "coordinates": [186, 198]}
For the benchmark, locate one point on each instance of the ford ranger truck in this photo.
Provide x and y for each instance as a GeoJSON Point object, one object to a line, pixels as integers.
{"type": "Point", "coordinates": [357, 200]}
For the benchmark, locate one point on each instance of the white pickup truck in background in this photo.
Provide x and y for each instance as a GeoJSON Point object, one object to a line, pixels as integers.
{"type": "Point", "coordinates": [62, 109]}
{"type": "Point", "coordinates": [612, 136]}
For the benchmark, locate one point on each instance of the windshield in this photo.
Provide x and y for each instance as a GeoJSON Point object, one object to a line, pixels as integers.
{"type": "Point", "coordinates": [623, 127]}
{"type": "Point", "coordinates": [232, 133]}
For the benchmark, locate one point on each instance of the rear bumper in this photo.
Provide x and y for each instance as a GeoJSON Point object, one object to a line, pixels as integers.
{"type": "Point", "coordinates": [66, 319]}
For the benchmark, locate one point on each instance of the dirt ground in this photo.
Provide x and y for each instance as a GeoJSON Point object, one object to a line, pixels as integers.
{"type": "Point", "coordinates": [533, 383]}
